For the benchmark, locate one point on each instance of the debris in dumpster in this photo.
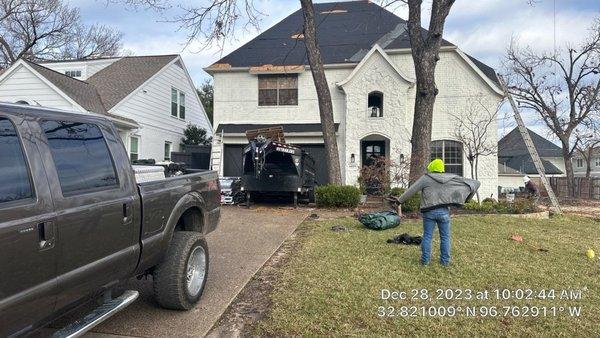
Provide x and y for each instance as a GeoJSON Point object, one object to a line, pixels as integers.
{"type": "Point", "coordinates": [270, 165]}
{"type": "Point", "coordinates": [379, 220]}
{"type": "Point", "coordinates": [406, 239]}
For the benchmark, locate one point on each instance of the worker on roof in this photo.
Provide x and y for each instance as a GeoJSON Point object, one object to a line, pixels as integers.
{"type": "Point", "coordinates": [439, 190]}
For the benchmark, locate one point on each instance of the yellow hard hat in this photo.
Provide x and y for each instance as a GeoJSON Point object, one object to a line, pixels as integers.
{"type": "Point", "coordinates": [436, 166]}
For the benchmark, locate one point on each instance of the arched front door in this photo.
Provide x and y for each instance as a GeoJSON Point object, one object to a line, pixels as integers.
{"type": "Point", "coordinates": [372, 149]}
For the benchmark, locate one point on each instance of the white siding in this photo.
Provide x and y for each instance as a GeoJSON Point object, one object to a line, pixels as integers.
{"type": "Point", "coordinates": [150, 106]}
{"type": "Point", "coordinates": [22, 84]}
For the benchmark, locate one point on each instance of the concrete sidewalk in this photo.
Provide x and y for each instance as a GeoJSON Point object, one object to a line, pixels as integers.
{"type": "Point", "coordinates": [242, 243]}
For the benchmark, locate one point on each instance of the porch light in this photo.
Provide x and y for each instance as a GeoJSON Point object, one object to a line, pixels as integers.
{"type": "Point", "coordinates": [352, 158]}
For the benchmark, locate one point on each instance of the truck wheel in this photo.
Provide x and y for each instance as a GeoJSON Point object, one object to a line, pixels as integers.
{"type": "Point", "coordinates": [180, 278]}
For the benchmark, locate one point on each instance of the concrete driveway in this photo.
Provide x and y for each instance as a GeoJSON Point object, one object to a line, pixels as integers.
{"type": "Point", "coordinates": [242, 243]}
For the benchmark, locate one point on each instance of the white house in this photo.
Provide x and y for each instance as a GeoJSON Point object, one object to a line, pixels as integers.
{"type": "Point", "coordinates": [580, 165]}
{"type": "Point", "coordinates": [151, 99]}
{"type": "Point", "coordinates": [369, 67]}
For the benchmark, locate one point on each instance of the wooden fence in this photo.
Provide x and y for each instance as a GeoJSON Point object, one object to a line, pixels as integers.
{"type": "Point", "coordinates": [585, 188]}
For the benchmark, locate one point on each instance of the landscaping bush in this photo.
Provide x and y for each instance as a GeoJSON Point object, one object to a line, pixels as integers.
{"type": "Point", "coordinates": [410, 205]}
{"type": "Point", "coordinates": [337, 196]}
{"type": "Point", "coordinates": [519, 206]}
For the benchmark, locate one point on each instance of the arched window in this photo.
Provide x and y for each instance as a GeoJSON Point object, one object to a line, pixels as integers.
{"type": "Point", "coordinates": [451, 152]}
{"type": "Point", "coordinates": [375, 104]}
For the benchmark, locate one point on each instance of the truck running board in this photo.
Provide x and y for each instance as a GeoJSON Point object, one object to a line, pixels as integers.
{"type": "Point", "coordinates": [97, 316]}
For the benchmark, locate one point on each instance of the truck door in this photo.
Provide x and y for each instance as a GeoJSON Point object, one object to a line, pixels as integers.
{"type": "Point", "coordinates": [27, 231]}
{"type": "Point", "coordinates": [94, 198]}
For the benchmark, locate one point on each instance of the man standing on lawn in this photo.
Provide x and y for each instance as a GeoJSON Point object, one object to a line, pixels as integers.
{"type": "Point", "coordinates": [438, 192]}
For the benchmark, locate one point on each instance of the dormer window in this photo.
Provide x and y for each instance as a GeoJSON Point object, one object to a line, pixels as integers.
{"type": "Point", "coordinates": [73, 73]}
{"type": "Point", "coordinates": [375, 106]}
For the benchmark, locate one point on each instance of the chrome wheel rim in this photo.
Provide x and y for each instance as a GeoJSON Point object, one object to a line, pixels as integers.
{"type": "Point", "coordinates": [196, 269]}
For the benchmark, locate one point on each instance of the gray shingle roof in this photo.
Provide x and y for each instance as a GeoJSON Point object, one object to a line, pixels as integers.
{"type": "Point", "coordinates": [512, 144]}
{"type": "Point", "coordinates": [513, 153]}
{"type": "Point", "coordinates": [122, 77]}
{"type": "Point", "coordinates": [81, 92]}
{"type": "Point", "coordinates": [343, 37]}
{"type": "Point", "coordinates": [106, 88]}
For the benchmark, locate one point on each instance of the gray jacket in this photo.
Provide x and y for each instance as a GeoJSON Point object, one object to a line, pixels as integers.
{"type": "Point", "coordinates": [441, 190]}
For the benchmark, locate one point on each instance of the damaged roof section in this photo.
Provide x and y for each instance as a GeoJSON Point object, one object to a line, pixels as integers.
{"type": "Point", "coordinates": [345, 30]}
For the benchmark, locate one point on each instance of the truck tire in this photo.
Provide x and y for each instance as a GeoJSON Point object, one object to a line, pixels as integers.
{"type": "Point", "coordinates": [180, 278]}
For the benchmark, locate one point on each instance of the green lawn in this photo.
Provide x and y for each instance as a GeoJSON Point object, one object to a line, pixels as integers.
{"type": "Point", "coordinates": [332, 284]}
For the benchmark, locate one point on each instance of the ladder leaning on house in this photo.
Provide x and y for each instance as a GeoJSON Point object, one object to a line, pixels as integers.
{"type": "Point", "coordinates": [216, 152]}
{"type": "Point", "coordinates": [530, 147]}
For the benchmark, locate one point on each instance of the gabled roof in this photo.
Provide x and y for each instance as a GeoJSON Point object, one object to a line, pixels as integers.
{"type": "Point", "coordinates": [122, 77]}
{"type": "Point", "coordinates": [524, 164]}
{"type": "Point", "coordinates": [346, 32]}
{"type": "Point", "coordinates": [512, 145]}
{"type": "Point", "coordinates": [376, 49]}
{"type": "Point", "coordinates": [109, 86]}
{"type": "Point", "coordinates": [81, 92]}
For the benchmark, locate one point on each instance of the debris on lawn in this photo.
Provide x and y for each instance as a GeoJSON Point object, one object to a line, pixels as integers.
{"type": "Point", "coordinates": [313, 216]}
{"type": "Point", "coordinates": [519, 239]}
{"type": "Point", "coordinates": [379, 220]}
{"type": "Point", "coordinates": [406, 239]}
{"type": "Point", "coordinates": [590, 254]}
{"type": "Point", "coordinates": [339, 228]}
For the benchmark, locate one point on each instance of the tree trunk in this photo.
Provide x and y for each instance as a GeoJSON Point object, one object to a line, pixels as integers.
{"type": "Point", "coordinates": [423, 113]}
{"type": "Point", "coordinates": [324, 96]}
{"type": "Point", "coordinates": [425, 54]}
{"type": "Point", "coordinates": [568, 167]}
{"type": "Point", "coordinates": [588, 162]}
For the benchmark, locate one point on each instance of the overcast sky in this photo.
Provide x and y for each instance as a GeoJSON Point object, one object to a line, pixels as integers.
{"type": "Point", "coordinates": [482, 28]}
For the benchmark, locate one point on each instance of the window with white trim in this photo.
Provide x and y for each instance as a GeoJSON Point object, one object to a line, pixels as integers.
{"type": "Point", "coordinates": [451, 152]}
{"type": "Point", "coordinates": [134, 147]}
{"type": "Point", "coordinates": [579, 163]}
{"type": "Point", "coordinates": [278, 90]}
{"type": "Point", "coordinates": [177, 103]}
{"type": "Point", "coordinates": [597, 161]}
{"type": "Point", "coordinates": [167, 151]}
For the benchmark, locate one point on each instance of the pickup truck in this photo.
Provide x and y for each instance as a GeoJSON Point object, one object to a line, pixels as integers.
{"type": "Point", "coordinates": [75, 225]}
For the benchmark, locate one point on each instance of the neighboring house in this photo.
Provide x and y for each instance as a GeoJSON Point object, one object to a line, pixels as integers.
{"type": "Point", "coordinates": [580, 165]}
{"type": "Point", "coordinates": [150, 99]}
{"type": "Point", "coordinates": [514, 160]}
{"type": "Point", "coordinates": [369, 67]}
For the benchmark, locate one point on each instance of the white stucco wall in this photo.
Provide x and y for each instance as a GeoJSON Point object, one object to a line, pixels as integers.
{"type": "Point", "coordinates": [236, 101]}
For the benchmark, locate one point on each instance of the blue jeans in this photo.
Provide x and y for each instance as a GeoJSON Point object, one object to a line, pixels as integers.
{"type": "Point", "coordinates": [441, 216]}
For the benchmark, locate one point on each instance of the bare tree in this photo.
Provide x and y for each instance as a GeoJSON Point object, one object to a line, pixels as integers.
{"type": "Point", "coordinates": [425, 47]}
{"type": "Point", "coordinates": [215, 22]}
{"type": "Point", "coordinates": [589, 142]}
{"type": "Point", "coordinates": [474, 129]}
{"type": "Point", "coordinates": [50, 29]}
{"type": "Point", "coordinates": [562, 88]}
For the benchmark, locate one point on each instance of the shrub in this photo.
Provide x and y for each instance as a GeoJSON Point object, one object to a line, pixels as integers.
{"type": "Point", "coordinates": [374, 178]}
{"type": "Point", "coordinates": [489, 200]}
{"type": "Point", "coordinates": [519, 206]}
{"type": "Point", "coordinates": [337, 196]}
{"type": "Point", "coordinates": [410, 205]}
